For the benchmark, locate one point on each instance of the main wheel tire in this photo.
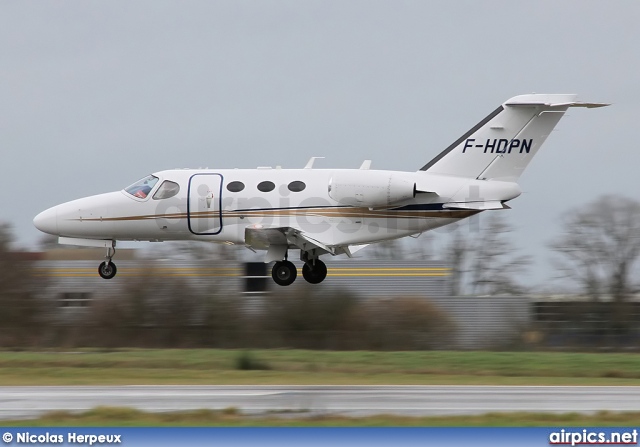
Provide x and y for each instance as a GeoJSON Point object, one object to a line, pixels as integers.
{"type": "Point", "coordinates": [314, 273]}
{"type": "Point", "coordinates": [284, 273]}
{"type": "Point", "coordinates": [107, 270]}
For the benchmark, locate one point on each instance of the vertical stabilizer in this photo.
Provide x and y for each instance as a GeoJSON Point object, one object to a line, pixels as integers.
{"type": "Point", "coordinates": [501, 146]}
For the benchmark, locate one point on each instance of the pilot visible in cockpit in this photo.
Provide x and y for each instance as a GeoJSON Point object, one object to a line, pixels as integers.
{"type": "Point", "coordinates": [142, 187]}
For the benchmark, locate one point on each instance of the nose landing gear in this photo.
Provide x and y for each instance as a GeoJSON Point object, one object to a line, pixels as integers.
{"type": "Point", "coordinates": [107, 269]}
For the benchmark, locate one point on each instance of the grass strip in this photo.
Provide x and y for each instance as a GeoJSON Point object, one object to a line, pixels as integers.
{"type": "Point", "coordinates": [288, 366]}
{"type": "Point", "coordinates": [127, 417]}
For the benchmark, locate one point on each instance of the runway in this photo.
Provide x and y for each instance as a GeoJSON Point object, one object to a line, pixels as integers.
{"type": "Point", "coordinates": [26, 402]}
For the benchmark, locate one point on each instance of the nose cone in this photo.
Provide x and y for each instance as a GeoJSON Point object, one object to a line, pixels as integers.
{"type": "Point", "coordinates": [47, 221]}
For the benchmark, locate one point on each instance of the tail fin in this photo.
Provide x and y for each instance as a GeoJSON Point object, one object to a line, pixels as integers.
{"type": "Point", "coordinates": [502, 145]}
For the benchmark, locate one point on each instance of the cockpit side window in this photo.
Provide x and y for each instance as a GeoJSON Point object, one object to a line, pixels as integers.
{"type": "Point", "coordinates": [142, 187]}
{"type": "Point", "coordinates": [166, 190]}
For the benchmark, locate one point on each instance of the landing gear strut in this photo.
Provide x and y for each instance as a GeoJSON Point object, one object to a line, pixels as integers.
{"type": "Point", "coordinates": [314, 271]}
{"type": "Point", "coordinates": [107, 269]}
{"type": "Point", "coordinates": [284, 273]}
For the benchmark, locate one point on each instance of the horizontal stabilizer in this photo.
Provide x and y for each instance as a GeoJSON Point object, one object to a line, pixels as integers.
{"type": "Point", "coordinates": [588, 105]}
{"type": "Point", "coordinates": [538, 100]}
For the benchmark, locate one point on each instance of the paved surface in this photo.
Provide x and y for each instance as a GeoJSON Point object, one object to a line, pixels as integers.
{"type": "Point", "coordinates": [23, 402]}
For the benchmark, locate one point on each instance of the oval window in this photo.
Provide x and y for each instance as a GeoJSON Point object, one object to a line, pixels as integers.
{"type": "Point", "coordinates": [235, 186]}
{"type": "Point", "coordinates": [266, 186]}
{"type": "Point", "coordinates": [297, 186]}
{"type": "Point", "coordinates": [167, 189]}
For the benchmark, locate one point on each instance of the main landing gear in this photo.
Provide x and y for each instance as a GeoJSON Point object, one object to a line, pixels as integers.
{"type": "Point", "coordinates": [314, 272]}
{"type": "Point", "coordinates": [107, 269]}
{"type": "Point", "coordinates": [284, 273]}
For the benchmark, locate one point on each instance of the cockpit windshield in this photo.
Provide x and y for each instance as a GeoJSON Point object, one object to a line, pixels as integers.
{"type": "Point", "coordinates": [142, 187]}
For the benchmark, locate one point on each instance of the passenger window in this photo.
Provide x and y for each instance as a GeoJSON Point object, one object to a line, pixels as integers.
{"type": "Point", "coordinates": [297, 186]}
{"type": "Point", "coordinates": [235, 186]}
{"type": "Point", "coordinates": [266, 186]}
{"type": "Point", "coordinates": [167, 189]}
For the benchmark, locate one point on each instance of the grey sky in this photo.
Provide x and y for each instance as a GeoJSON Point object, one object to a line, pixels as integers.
{"type": "Point", "coordinates": [95, 95]}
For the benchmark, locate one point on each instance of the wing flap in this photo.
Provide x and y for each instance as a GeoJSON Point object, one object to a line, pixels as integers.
{"type": "Point", "coordinates": [480, 206]}
{"type": "Point", "coordinates": [351, 250]}
{"type": "Point", "coordinates": [277, 240]}
{"type": "Point", "coordinates": [260, 238]}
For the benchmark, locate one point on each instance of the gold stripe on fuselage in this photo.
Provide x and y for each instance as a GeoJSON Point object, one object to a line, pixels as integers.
{"type": "Point", "coordinates": [328, 212]}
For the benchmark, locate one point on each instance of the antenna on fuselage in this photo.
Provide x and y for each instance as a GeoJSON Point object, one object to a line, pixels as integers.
{"type": "Point", "coordinates": [366, 165]}
{"type": "Point", "coordinates": [311, 161]}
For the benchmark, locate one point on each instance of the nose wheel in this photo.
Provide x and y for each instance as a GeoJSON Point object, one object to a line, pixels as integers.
{"type": "Point", "coordinates": [284, 273]}
{"type": "Point", "coordinates": [107, 269]}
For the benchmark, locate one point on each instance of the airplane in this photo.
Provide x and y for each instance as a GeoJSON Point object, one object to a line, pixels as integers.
{"type": "Point", "coordinates": [318, 211]}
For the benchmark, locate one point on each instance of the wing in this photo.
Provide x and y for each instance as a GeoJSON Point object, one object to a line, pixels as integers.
{"type": "Point", "coordinates": [276, 240]}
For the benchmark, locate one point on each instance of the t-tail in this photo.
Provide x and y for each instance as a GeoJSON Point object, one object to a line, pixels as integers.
{"type": "Point", "coordinates": [501, 146]}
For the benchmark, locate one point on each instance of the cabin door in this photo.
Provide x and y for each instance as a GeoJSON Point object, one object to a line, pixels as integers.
{"type": "Point", "coordinates": [204, 204]}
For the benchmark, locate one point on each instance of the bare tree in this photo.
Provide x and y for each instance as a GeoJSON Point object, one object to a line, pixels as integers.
{"type": "Point", "coordinates": [49, 242]}
{"type": "Point", "coordinates": [600, 246]}
{"type": "Point", "coordinates": [420, 247]}
{"type": "Point", "coordinates": [485, 263]}
{"type": "Point", "coordinates": [496, 265]}
{"type": "Point", "coordinates": [391, 249]}
{"type": "Point", "coordinates": [457, 254]}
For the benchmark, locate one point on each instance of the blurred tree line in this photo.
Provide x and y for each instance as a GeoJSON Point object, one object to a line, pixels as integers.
{"type": "Point", "coordinates": [175, 315]}
{"type": "Point", "coordinates": [598, 251]}
{"type": "Point", "coordinates": [22, 310]}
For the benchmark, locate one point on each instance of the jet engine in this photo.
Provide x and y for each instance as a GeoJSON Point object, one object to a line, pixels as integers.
{"type": "Point", "coordinates": [370, 188]}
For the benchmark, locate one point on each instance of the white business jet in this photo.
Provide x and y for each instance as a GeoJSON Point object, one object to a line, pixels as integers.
{"type": "Point", "coordinates": [317, 211]}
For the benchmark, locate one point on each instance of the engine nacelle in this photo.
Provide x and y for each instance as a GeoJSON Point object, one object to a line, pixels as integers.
{"type": "Point", "coordinates": [370, 188]}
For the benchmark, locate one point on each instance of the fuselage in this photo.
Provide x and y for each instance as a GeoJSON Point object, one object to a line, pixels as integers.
{"type": "Point", "coordinates": [338, 206]}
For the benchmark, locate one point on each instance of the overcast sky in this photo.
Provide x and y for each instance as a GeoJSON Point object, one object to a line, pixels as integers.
{"type": "Point", "coordinates": [95, 95]}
